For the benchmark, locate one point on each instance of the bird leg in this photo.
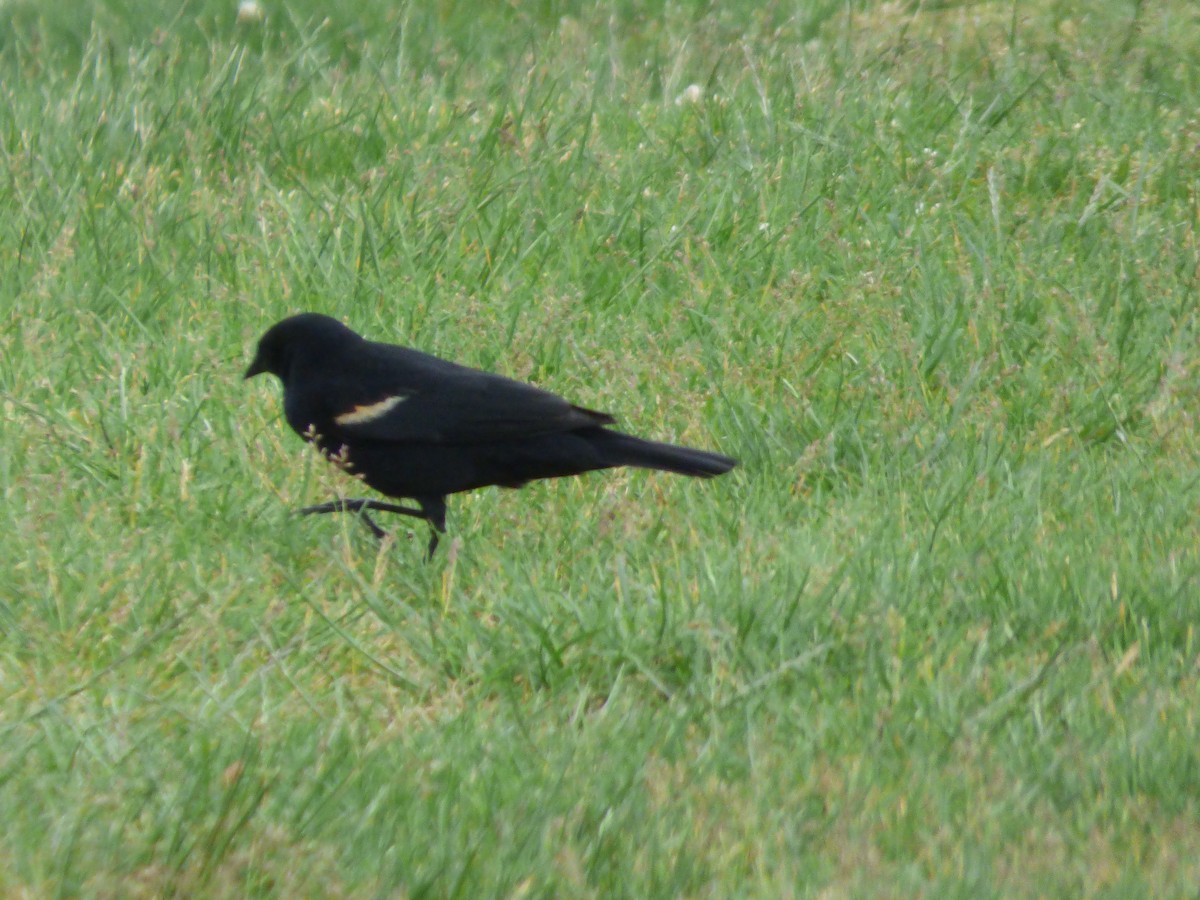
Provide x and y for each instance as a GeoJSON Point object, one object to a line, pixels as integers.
{"type": "Point", "coordinates": [358, 505]}
{"type": "Point", "coordinates": [361, 507]}
{"type": "Point", "coordinates": [432, 510]}
{"type": "Point", "coordinates": [379, 533]}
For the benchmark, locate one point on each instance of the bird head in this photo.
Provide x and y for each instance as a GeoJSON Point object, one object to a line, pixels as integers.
{"type": "Point", "coordinates": [304, 336]}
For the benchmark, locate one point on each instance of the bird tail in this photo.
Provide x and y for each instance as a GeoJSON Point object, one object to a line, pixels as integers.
{"type": "Point", "coordinates": [627, 450]}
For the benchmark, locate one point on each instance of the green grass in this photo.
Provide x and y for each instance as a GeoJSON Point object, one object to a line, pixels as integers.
{"type": "Point", "coordinates": [928, 269]}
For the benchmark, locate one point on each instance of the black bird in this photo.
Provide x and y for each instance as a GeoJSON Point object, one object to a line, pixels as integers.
{"type": "Point", "coordinates": [412, 425]}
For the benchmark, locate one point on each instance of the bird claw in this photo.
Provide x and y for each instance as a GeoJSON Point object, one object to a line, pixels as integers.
{"type": "Point", "coordinates": [361, 506]}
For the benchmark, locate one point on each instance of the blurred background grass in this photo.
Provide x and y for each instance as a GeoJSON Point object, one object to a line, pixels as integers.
{"type": "Point", "coordinates": [927, 269]}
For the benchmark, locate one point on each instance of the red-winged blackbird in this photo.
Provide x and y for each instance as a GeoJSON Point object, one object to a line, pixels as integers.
{"type": "Point", "coordinates": [412, 425]}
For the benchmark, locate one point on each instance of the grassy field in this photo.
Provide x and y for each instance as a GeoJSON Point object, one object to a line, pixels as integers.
{"type": "Point", "coordinates": [928, 269]}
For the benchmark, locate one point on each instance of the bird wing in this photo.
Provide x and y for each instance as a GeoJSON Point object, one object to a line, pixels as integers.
{"type": "Point", "coordinates": [458, 405]}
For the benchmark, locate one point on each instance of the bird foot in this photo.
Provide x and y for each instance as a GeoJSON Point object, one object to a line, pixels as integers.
{"type": "Point", "coordinates": [361, 506]}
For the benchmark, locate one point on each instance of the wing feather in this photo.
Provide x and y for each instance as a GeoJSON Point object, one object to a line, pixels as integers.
{"type": "Point", "coordinates": [422, 399]}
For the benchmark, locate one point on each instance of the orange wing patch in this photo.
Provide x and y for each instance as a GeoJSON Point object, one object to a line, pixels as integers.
{"type": "Point", "coordinates": [369, 412]}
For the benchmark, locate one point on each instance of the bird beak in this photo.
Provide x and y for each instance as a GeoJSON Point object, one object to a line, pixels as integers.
{"type": "Point", "coordinates": [256, 368]}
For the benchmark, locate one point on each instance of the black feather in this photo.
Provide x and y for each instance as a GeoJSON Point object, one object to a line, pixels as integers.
{"type": "Point", "coordinates": [412, 425]}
